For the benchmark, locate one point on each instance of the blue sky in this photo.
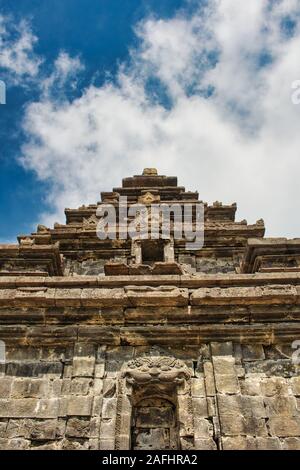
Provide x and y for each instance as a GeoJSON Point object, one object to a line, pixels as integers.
{"type": "Point", "coordinates": [101, 32]}
{"type": "Point", "coordinates": [98, 89]}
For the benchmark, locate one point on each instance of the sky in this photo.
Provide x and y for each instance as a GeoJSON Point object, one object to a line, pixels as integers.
{"type": "Point", "coordinates": [96, 90]}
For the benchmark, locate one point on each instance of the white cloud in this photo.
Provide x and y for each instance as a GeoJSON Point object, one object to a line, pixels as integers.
{"type": "Point", "coordinates": [65, 71]}
{"type": "Point", "coordinates": [239, 144]}
{"type": "Point", "coordinates": [18, 60]}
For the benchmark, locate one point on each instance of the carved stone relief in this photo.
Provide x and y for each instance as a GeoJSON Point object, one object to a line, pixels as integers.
{"type": "Point", "coordinates": [150, 388]}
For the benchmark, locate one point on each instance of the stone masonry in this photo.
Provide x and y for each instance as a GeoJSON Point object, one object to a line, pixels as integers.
{"type": "Point", "coordinates": [116, 344]}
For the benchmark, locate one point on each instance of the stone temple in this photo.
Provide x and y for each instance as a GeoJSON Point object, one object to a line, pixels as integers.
{"type": "Point", "coordinates": [145, 344]}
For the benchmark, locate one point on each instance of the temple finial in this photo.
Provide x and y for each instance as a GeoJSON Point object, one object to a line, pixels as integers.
{"type": "Point", "coordinates": [150, 172]}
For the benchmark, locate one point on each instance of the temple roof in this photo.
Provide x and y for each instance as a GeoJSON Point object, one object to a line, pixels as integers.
{"type": "Point", "coordinates": [46, 250]}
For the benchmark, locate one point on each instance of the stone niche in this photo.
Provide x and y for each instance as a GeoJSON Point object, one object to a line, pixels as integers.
{"type": "Point", "coordinates": [154, 424]}
{"type": "Point", "coordinates": [154, 409]}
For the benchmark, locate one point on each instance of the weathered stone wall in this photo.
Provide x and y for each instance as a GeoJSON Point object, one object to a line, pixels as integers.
{"type": "Point", "coordinates": [209, 264]}
{"type": "Point", "coordinates": [239, 397]}
{"type": "Point", "coordinates": [87, 268]}
{"type": "Point", "coordinates": [217, 265]}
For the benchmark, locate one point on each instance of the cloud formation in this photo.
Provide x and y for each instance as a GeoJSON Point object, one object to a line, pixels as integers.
{"type": "Point", "coordinates": [18, 60]}
{"type": "Point", "coordinates": [65, 72]}
{"type": "Point", "coordinates": [206, 96]}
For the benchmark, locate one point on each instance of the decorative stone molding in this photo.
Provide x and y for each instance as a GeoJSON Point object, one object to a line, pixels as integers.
{"type": "Point", "coordinates": [155, 374]}
{"type": "Point", "coordinates": [157, 369]}
{"type": "Point", "coordinates": [149, 198]}
{"type": "Point", "coordinates": [91, 222]}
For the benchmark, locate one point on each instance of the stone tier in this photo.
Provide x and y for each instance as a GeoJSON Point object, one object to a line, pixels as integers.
{"type": "Point", "coordinates": [129, 310]}
{"type": "Point", "coordinates": [271, 254]}
{"type": "Point", "coordinates": [30, 259]}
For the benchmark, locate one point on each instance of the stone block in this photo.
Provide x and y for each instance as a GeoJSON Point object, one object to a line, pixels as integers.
{"type": "Point", "coordinates": [200, 407]}
{"type": "Point", "coordinates": [227, 384]}
{"type": "Point", "coordinates": [100, 370]}
{"type": "Point", "coordinates": [97, 405]}
{"type": "Point", "coordinates": [232, 425]}
{"type": "Point", "coordinates": [107, 428]}
{"type": "Point", "coordinates": [16, 428]}
{"type": "Point", "coordinates": [95, 427]}
{"type": "Point", "coordinates": [239, 443]}
{"type": "Point", "coordinates": [23, 354]}
{"type": "Point", "coordinates": [209, 379]}
{"type": "Point", "coordinates": [63, 406]}
{"type": "Point", "coordinates": [274, 386]}
{"type": "Point", "coordinates": [109, 388]}
{"type": "Point", "coordinates": [55, 445]}
{"type": "Point", "coordinates": [4, 443]}
{"type": "Point", "coordinates": [55, 387]}
{"type": "Point", "coordinates": [61, 427]}
{"type": "Point", "coordinates": [41, 430]}
{"type": "Point", "coordinates": [123, 442]}
{"type": "Point", "coordinates": [229, 405]}
{"type": "Point", "coordinates": [84, 350]}
{"type": "Point", "coordinates": [3, 427]}
{"type": "Point", "coordinates": [251, 385]}
{"type": "Point", "coordinates": [80, 386]}
{"type": "Point", "coordinates": [98, 387]}
{"type": "Point", "coordinates": [5, 387]}
{"type": "Point", "coordinates": [107, 444]}
{"type": "Point", "coordinates": [240, 371]}
{"type": "Point", "coordinates": [202, 427]}
{"type": "Point", "coordinates": [14, 444]}
{"type": "Point", "coordinates": [75, 444]}
{"type": "Point", "coordinates": [295, 384]}
{"type": "Point", "coordinates": [67, 373]}
{"type": "Point", "coordinates": [78, 428]}
{"type": "Point", "coordinates": [255, 427]}
{"type": "Point", "coordinates": [66, 386]}
{"type": "Point", "coordinates": [101, 354]}
{"type": "Point", "coordinates": [185, 418]}
{"type": "Point", "coordinates": [198, 387]}
{"type": "Point", "coordinates": [284, 427]}
{"type": "Point", "coordinates": [34, 369]}
{"type": "Point", "coordinates": [278, 367]}
{"type": "Point", "coordinates": [253, 406]}
{"type": "Point", "coordinates": [113, 368]}
{"type": "Point", "coordinates": [29, 408]}
{"type": "Point", "coordinates": [109, 406]}
{"type": "Point", "coordinates": [30, 388]}
{"type": "Point", "coordinates": [281, 405]}
{"type": "Point", "coordinates": [93, 444]}
{"type": "Point", "coordinates": [147, 416]}
{"type": "Point", "coordinates": [221, 349]}
{"type": "Point", "coordinates": [125, 423]}
{"type": "Point", "coordinates": [224, 365]}
{"type": "Point", "coordinates": [268, 443]}
{"type": "Point", "coordinates": [186, 443]}
{"type": "Point", "coordinates": [253, 352]}
{"type": "Point", "coordinates": [205, 444]}
{"type": "Point", "coordinates": [122, 353]}
{"type": "Point", "coordinates": [163, 296]}
{"type": "Point", "coordinates": [211, 406]}
{"type": "Point", "coordinates": [83, 366]}
{"type": "Point", "coordinates": [79, 406]}
{"type": "Point", "coordinates": [102, 297]}
{"type": "Point", "coordinates": [68, 297]}
{"type": "Point", "coordinates": [291, 443]}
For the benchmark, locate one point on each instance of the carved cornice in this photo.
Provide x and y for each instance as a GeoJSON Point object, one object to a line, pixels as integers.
{"type": "Point", "coordinates": [271, 254]}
